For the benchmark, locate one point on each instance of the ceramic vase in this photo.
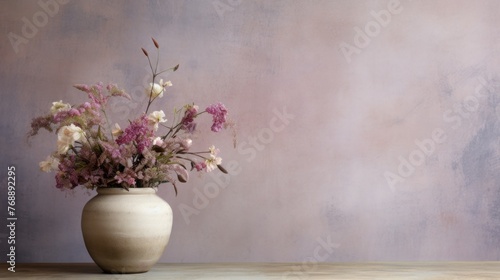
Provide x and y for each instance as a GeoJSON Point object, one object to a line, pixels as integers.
{"type": "Point", "coordinates": [126, 231]}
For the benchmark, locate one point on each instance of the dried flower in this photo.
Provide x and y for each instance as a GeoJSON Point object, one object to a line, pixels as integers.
{"type": "Point", "coordinates": [156, 43]}
{"type": "Point", "coordinates": [218, 112]}
{"type": "Point", "coordinates": [157, 117]}
{"type": "Point", "coordinates": [67, 136]}
{"type": "Point", "coordinates": [91, 153]}
{"type": "Point", "coordinates": [155, 90]}
{"type": "Point", "coordinates": [190, 113]}
{"type": "Point", "coordinates": [49, 164]}
{"type": "Point", "coordinates": [59, 106]}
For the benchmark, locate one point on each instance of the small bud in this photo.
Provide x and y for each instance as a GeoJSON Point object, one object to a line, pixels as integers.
{"type": "Point", "coordinates": [145, 52]}
{"type": "Point", "coordinates": [176, 67]}
{"type": "Point", "coordinates": [181, 179]}
{"type": "Point", "coordinates": [156, 43]}
{"type": "Point", "coordinates": [222, 169]}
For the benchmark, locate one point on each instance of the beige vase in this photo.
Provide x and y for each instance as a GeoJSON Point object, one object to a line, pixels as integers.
{"type": "Point", "coordinates": [126, 231]}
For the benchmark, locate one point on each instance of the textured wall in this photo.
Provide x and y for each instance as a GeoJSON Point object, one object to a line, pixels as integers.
{"type": "Point", "coordinates": [367, 130]}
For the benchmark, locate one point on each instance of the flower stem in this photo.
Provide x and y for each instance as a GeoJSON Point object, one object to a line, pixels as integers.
{"type": "Point", "coordinates": [109, 125]}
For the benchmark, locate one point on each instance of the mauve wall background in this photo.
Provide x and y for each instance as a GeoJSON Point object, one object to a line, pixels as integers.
{"type": "Point", "coordinates": [319, 125]}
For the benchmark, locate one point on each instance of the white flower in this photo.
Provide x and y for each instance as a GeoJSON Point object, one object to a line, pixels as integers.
{"type": "Point", "coordinates": [212, 162]}
{"type": "Point", "coordinates": [157, 117]}
{"type": "Point", "coordinates": [49, 164]}
{"type": "Point", "coordinates": [213, 150]}
{"type": "Point", "coordinates": [66, 137]}
{"type": "Point", "coordinates": [158, 141]}
{"type": "Point", "coordinates": [58, 107]}
{"type": "Point", "coordinates": [157, 90]}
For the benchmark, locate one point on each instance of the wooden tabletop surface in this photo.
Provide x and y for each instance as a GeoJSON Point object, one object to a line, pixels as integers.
{"type": "Point", "coordinates": [283, 271]}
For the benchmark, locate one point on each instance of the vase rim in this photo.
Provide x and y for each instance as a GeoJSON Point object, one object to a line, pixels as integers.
{"type": "Point", "coordinates": [102, 190]}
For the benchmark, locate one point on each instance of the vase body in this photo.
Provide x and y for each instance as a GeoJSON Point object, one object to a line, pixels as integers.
{"type": "Point", "coordinates": [126, 231]}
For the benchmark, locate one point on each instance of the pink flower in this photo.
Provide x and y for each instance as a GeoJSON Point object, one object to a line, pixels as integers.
{"type": "Point", "coordinates": [112, 150]}
{"type": "Point", "coordinates": [190, 113]}
{"type": "Point", "coordinates": [218, 112]}
{"type": "Point", "coordinates": [200, 166]}
{"type": "Point", "coordinates": [74, 112]}
{"type": "Point", "coordinates": [93, 154]}
{"type": "Point", "coordinates": [138, 132]}
{"type": "Point", "coordinates": [126, 177]}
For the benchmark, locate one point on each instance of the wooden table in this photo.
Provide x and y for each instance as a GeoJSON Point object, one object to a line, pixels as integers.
{"type": "Point", "coordinates": [292, 271]}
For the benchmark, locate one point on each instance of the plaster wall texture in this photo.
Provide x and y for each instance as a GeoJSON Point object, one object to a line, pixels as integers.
{"type": "Point", "coordinates": [368, 129]}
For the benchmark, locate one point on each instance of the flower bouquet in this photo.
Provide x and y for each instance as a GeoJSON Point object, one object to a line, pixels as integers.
{"type": "Point", "coordinates": [92, 152]}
